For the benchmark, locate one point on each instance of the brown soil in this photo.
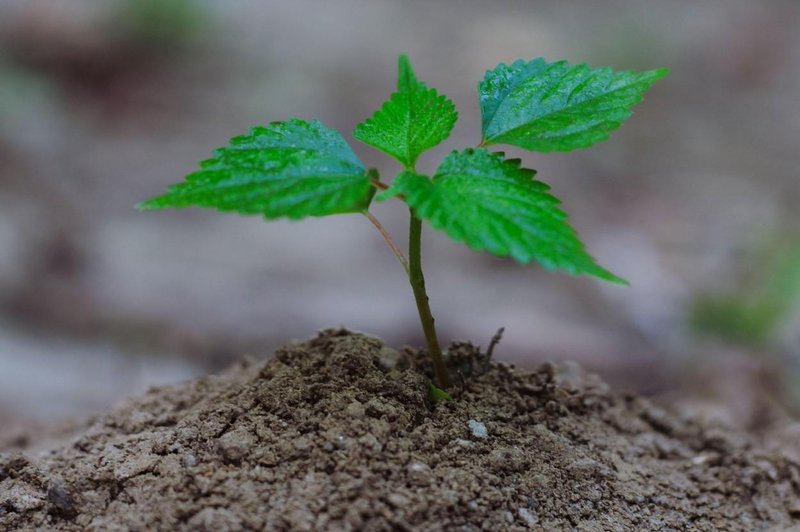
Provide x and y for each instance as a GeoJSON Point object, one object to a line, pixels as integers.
{"type": "Point", "coordinates": [336, 434]}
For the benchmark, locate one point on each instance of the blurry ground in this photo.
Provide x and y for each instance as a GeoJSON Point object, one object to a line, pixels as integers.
{"type": "Point", "coordinates": [104, 104]}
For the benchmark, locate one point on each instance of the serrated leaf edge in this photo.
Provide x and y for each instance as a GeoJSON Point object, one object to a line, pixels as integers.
{"type": "Point", "coordinates": [593, 268]}
{"type": "Point", "coordinates": [655, 75]}
{"type": "Point", "coordinates": [362, 203]}
{"type": "Point", "coordinates": [405, 70]}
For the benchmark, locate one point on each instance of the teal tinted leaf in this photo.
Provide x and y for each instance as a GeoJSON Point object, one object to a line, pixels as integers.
{"type": "Point", "coordinates": [543, 106]}
{"type": "Point", "coordinates": [288, 169]}
{"type": "Point", "coordinates": [413, 120]}
{"type": "Point", "coordinates": [491, 203]}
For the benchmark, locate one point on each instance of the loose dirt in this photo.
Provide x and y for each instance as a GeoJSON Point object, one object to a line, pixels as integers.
{"type": "Point", "coordinates": [339, 433]}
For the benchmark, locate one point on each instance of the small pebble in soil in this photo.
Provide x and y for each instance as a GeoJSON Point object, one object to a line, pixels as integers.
{"type": "Point", "coordinates": [189, 460]}
{"type": "Point", "coordinates": [478, 429]}
{"type": "Point", "coordinates": [398, 500]}
{"type": "Point", "coordinates": [389, 359]}
{"type": "Point", "coordinates": [61, 501]}
{"type": "Point", "coordinates": [466, 444]}
{"type": "Point", "coordinates": [417, 467]}
{"type": "Point", "coordinates": [529, 517]}
{"type": "Point", "coordinates": [341, 441]}
{"type": "Point", "coordinates": [419, 474]}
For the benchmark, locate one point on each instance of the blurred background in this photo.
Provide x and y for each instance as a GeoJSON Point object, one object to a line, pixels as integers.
{"type": "Point", "coordinates": [103, 104]}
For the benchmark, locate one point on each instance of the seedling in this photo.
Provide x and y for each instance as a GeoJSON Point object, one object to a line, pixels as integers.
{"type": "Point", "coordinates": [296, 168]}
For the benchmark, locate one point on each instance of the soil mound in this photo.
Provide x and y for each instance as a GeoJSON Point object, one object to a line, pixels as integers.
{"type": "Point", "coordinates": [336, 434]}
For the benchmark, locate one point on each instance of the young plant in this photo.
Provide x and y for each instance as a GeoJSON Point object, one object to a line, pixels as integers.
{"type": "Point", "coordinates": [296, 168]}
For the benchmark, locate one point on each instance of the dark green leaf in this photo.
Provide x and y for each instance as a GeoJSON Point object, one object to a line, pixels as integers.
{"type": "Point", "coordinates": [293, 169]}
{"type": "Point", "coordinates": [491, 203]}
{"type": "Point", "coordinates": [543, 106]}
{"type": "Point", "coordinates": [413, 120]}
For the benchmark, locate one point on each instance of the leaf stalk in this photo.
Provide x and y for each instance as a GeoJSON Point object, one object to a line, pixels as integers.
{"type": "Point", "coordinates": [389, 241]}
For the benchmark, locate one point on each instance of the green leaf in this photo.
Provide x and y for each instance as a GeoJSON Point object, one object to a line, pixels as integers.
{"type": "Point", "coordinates": [293, 169]}
{"type": "Point", "coordinates": [413, 120]}
{"type": "Point", "coordinates": [491, 203]}
{"type": "Point", "coordinates": [543, 106]}
{"type": "Point", "coordinates": [438, 395]}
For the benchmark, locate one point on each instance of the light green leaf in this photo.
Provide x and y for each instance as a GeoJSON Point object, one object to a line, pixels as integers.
{"type": "Point", "coordinates": [413, 120]}
{"type": "Point", "coordinates": [438, 395]}
{"type": "Point", "coordinates": [293, 169]}
{"type": "Point", "coordinates": [543, 106]}
{"type": "Point", "coordinates": [492, 204]}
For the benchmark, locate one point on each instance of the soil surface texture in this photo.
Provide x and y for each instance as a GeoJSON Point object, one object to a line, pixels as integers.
{"type": "Point", "coordinates": [339, 433]}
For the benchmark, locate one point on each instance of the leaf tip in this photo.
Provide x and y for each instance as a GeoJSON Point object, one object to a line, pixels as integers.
{"type": "Point", "coordinates": [405, 73]}
{"type": "Point", "coordinates": [660, 73]}
{"type": "Point", "coordinates": [147, 205]}
{"type": "Point", "coordinates": [607, 276]}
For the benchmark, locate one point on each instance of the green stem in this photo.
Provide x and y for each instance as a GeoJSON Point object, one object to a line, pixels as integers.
{"type": "Point", "coordinates": [417, 280]}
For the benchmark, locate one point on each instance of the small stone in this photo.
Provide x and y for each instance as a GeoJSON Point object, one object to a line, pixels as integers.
{"type": "Point", "coordinates": [419, 474]}
{"type": "Point", "coordinates": [418, 467]}
{"type": "Point", "coordinates": [189, 460]}
{"type": "Point", "coordinates": [61, 501]}
{"type": "Point", "coordinates": [478, 429]}
{"type": "Point", "coordinates": [232, 449]}
{"type": "Point", "coordinates": [465, 444]}
{"type": "Point", "coordinates": [530, 518]}
{"type": "Point", "coordinates": [389, 359]}
{"type": "Point", "coordinates": [341, 441]}
{"type": "Point", "coordinates": [398, 500]}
